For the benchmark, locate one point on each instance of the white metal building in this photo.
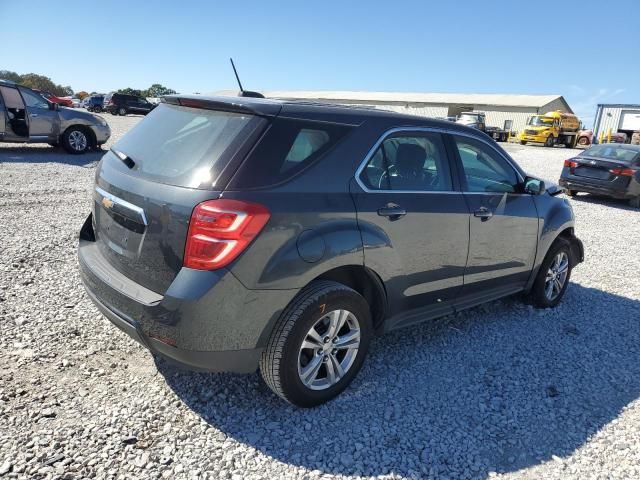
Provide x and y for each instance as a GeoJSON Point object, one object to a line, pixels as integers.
{"type": "Point", "coordinates": [497, 108]}
{"type": "Point", "coordinates": [617, 117]}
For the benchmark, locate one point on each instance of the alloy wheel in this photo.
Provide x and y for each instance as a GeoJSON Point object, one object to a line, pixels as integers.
{"type": "Point", "coordinates": [329, 349]}
{"type": "Point", "coordinates": [78, 140]}
{"type": "Point", "coordinates": [556, 276]}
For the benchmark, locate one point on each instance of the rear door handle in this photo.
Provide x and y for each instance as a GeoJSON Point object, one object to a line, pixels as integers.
{"type": "Point", "coordinates": [484, 213]}
{"type": "Point", "coordinates": [392, 211]}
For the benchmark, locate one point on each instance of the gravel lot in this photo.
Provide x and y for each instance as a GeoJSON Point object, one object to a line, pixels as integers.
{"type": "Point", "coordinates": [502, 390]}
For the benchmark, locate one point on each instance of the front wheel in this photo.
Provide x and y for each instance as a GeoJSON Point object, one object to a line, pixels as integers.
{"type": "Point", "coordinates": [571, 193]}
{"type": "Point", "coordinates": [549, 142]}
{"type": "Point", "coordinates": [318, 345]}
{"type": "Point", "coordinates": [553, 277]}
{"type": "Point", "coordinates": [122, 111]}
{"type": "Point", "coordinates": [522, 142]}
{"type": "Point", "coordinates": [583, 141]}
{"type": "Point", "coordinates": [635, 202]}
{"type": "Point", "coordinates": [76, 140]}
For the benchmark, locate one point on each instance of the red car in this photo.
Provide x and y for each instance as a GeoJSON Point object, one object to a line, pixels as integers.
{"type": "Point", "coordinates": [66, 102]}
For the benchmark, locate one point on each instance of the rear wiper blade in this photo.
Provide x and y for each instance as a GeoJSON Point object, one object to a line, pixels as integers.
{"type": "Point", "coordinates": [126, 159]}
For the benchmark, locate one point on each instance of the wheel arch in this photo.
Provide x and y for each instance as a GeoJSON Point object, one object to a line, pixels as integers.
{"type": "Point", "coordinates": [367, 283]}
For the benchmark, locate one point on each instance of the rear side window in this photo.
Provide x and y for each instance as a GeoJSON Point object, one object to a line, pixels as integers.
{"type": "Point", "coordinates": [182, 146]}
{"type": "Point", "coordinates": [288, 147]}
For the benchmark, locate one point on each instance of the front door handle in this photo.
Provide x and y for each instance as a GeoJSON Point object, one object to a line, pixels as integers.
{"type": "Point", "coordinates": [33, 115]}
{"type": "Point", "coordinates": [484, 213]}
{"type": "Point", "coordinates": [392, 211]}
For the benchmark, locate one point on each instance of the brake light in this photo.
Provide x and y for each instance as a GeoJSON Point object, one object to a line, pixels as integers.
{"type": "Point", "coordinates": [220, 230]}
{"type": "Point", "coordinates": [625, 172]}
{"type": "Point", "coordinates": [570, 163]}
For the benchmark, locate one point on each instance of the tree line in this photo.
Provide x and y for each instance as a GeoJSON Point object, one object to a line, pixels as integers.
{"type": "Point", "coordinates": [45, 84]}
{"type": "Point", "coordinates": [37, 82]}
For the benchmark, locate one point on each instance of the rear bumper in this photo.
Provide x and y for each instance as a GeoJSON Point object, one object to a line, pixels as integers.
{"type": "Point", "coordinates": [237, 361]}
{"type": "Point", "coordinates": [598, 189]}
{"type": "Point", "coordinates": [206, 320]}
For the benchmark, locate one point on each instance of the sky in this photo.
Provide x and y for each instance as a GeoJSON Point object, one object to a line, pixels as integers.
{"type": "Point", "coordinates": [586, 51]}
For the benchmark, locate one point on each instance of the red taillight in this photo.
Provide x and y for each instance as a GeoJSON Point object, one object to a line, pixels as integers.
{"type": "Point", "coordinates": [570, 163]}
{"type": "Point", "coordinates": [625, 172]}
{"type": "Point", "coordinates": [220, 230]}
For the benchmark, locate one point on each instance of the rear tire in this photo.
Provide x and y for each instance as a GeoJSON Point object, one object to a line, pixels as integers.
{"type": "Point", "coordinates": [583, 141]}
{"type": "Point", "coordinates": [571, 193]}
{"type": "Point", "coordinates": [544, 294]}
{"type": "Point", "coordinates": [635, 202]}
{"type": "Point", "coordinates": [522, 142]}
{"type": "Point", "coordinates": [286, 364]}
{"type": "Point", "coordinates": [122, 111]}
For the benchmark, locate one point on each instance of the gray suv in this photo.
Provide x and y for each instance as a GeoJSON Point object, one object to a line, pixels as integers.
{"type": "Point", "coordinates": [231, 234]}
{"type": "Point", "coordinates": [26, 116]}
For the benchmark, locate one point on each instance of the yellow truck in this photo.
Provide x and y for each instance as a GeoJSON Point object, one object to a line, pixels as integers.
{"type": "Point", "coordinates": [551, 128]}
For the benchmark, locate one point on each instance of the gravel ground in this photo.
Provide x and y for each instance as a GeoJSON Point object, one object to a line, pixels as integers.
{"type": "Point", "coordinates": [502, 390]}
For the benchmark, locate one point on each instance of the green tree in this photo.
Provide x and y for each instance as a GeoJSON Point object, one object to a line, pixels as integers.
{"type": "Point", "coordinates": [157, 90]}
{"type": "Point", "coordinates": [130, 91]}
{"type": "Point", "coordinates": [9, 75]}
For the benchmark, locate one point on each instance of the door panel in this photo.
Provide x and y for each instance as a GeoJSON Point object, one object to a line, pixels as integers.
{"type": "Point", "coordinates": [415, 228]}
{"type": "Point", "coordinates": [41, 119]}
{"type": "Point", "coordinates": [503, 231]}
{"type": "Point", "coordinates": [502, 246]}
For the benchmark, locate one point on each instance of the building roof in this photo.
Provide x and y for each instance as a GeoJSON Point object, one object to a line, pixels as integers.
{"type": "Point", "coordinates": [503, 100]}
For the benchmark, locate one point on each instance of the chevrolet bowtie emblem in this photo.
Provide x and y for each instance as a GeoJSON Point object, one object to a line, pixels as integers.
{"type": "Point", "coordinates": [107, 203]}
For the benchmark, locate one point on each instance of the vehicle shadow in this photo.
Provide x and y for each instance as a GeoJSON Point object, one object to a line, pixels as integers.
{"type": "Point", "coordinates": [494, 389]}
{"type": "Point", "coordinates": [602, 200]}
{"type": "Point", "coordinates": [46, 154]}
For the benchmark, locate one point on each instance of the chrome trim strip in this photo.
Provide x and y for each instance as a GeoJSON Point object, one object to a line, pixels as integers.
{"type": "Point", "coordinates": [391, 131]}
{"type": "Point", "coordinates": [124, 203]}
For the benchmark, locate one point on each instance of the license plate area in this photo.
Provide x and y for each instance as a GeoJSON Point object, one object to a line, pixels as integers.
{"type": "Point", "coordinates": [589, 172]}
{"type": "Point", "coordinates": [118, 237]}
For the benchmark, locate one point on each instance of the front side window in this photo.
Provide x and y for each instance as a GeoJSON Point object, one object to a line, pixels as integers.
{"type": "Point", "coordinates": [33, 99]}
{"type": "Point", "coordinates": [484, 169]}
{"type": "Point", "coordinates": [409, 162]}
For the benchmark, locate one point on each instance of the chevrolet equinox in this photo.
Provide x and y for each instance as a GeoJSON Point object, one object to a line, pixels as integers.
{"type": "Point", "coordinates": [231, 234]}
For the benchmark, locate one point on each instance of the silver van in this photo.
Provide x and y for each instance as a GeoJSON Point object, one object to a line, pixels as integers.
{"type": "Point", "coordinates": [27, 117]}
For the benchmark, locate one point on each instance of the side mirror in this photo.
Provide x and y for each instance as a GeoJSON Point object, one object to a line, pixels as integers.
{"type": "Point", "coordinates": [534, 186]}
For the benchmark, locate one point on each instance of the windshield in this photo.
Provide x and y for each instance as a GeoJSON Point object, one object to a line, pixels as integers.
{"type": "Point", "coordinates": [468, 118]}
{"type": "Point", "coordinates": [610, 151]}
{"type": "Point", "coordinates": [539, 121]}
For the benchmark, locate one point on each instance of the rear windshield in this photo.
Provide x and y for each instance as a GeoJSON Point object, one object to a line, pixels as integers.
{"type": "Point", "coordinates": [612, 152]}
{"type": "Point", "coordinates": [288, 147]}
{"type": "Point", "coordinates": [180, 145]}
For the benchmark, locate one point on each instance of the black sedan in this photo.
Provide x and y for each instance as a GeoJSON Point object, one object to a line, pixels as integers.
{"type": "Point", "coordinates": [607, 169]}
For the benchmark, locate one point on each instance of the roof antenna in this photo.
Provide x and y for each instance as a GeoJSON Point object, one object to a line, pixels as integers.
{"type": "Point", "coordinates": [243, 92]}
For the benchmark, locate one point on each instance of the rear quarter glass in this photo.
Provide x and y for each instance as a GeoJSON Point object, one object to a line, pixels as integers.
{"type": "Point", "coordinates": [287, 148]}
{"type": "Point", "coordinates": [182, 146]}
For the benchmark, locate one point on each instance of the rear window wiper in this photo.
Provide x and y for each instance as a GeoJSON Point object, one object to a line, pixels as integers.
{"type": "Point", "coordinates": [126, 159]}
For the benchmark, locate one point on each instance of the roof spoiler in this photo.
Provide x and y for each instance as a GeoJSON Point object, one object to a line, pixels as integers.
{"type": "Point", "coordinates": [250, 106]}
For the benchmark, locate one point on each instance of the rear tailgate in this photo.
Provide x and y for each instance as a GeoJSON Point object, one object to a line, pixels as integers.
{"type": "Point", "coordinates": [149, 183]}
